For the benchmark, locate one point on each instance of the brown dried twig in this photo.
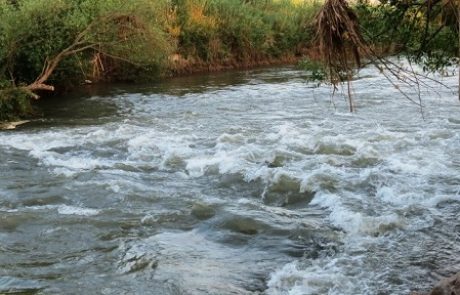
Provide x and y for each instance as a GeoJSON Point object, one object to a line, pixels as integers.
{"type": "Point", "coordinates": [342, 48]}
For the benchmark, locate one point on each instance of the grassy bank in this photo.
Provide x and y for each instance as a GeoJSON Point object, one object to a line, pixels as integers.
{"type": "Point", "coordinates": [228, 33]}
{"type": "Point", "coordinates": [59, 44]}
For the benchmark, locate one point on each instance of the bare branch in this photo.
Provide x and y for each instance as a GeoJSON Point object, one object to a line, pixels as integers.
{"type": "Point", "coordinates": [83, 42]}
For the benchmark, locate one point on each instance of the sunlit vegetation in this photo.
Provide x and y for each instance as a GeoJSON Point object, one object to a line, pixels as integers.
{"type": "Point", "coordinates": [227, 32]}
{"type": "Point", "coordinates": [426, 32]}
{"type": "Point", "coordinates": [48, 45]}
{"type": "Point", "coordinates": [65, 42]}
{"type": "Point", "coordinates": [60, 44]}
{"type": "Point", "coordinates": [350, 35]}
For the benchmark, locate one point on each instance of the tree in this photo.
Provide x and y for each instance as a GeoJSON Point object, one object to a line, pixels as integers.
{"type": "Point", "coordinates": [421, 30]}
{"type": "Point", "coordinates": [39, 36]}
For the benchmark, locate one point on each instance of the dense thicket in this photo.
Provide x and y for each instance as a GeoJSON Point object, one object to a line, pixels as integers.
{"type": "Point", "coordinates": [243, 31]}
{"type": "Point", "coordinates": [66, 42]}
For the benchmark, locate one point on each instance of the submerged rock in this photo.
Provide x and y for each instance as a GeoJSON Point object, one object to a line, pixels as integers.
{"type": "Point", "coordinates": [202, 211]}
{"type": "Point", "coordinates": [449, 286]}
{"type": "Point", "coordinates": [135, 259]}
{"type": "Point", "coordinates": [243, 225]}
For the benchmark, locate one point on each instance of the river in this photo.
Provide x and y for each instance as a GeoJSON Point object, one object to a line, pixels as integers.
{"type": "Point", "coordinates": [249, 182]}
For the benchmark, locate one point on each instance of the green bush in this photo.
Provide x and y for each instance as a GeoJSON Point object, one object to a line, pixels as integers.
{"type": "Point", "coordinates": [430, 39]}
{"type": "Point", "coordinates": [14, 104]}
{"type": "Point", "coordinates": [314, 69]}
{"type": "Point", "coordinates": [214, 30]}
{"type": "Point", "coordinates": [292, 24]}
{"type": "Point", "coordinates": [36, 30]}
{"type": "Point", "coordinates": [198, 30]}
{"type": "Point", "coordinates": [134, 40]}
{"type": "Point", "coordinates": [243, 28]}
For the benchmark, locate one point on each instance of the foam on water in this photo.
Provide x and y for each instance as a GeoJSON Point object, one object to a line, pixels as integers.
{"type": "Point", "coordinates": [357, 192]}
{"type": "Point", "coordinates": [63, 210]}
{"type": "Point", "coordinates": [71, 210]}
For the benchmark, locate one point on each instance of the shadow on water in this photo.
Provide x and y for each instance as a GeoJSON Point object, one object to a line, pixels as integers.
{"type": "Point", "coordinates": [94, 104]}
{"type": "Point", "coordinates": [244, 182]}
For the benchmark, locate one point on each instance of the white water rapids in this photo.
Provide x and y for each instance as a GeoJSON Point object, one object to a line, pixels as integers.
{"type": "Point", "coordinates": [237, 183]}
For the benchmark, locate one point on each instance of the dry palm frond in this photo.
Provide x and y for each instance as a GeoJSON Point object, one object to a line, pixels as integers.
{"type": "Point", "coordinates": [339, 37]}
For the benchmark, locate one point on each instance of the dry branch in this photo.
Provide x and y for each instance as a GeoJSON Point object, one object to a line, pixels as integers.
{"type": "Point", "coordinates": [342, 48]}
{"type": "Point", "coordinates": [127, 27]}
{"type": "Point", "coordinates": [339, 37]}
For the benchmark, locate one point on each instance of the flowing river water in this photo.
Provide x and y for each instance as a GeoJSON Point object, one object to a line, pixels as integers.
{"type": "Point", "coordinates": [237, 183]}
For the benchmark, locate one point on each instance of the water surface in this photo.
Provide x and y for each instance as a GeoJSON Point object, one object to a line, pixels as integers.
{"type": "Point", "coordinates": [238, 183]}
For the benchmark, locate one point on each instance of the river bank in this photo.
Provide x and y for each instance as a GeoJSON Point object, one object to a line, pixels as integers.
{"type": "Point", "coordinates": [57, 46]}
{"type": "Point", "coordinates": [140, 41]}
{"type": "Point", "coordinates": [243, 182]}
{"type": "Point", "coordinates": [447, 286]}
{"type": "Point", "coordinates": [181, 66]}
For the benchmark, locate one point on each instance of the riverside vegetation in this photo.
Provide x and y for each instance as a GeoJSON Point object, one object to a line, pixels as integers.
{"type": "Point", "coordinates": [63, 43]}
{"type": "Point", "coordinates": [59, 45]}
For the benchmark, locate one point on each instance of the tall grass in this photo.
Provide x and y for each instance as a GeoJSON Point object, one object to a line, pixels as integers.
{"type": "Point", "coordinates": [33, 31]}
{"type": "Point", "coordinates": [244, 30]}
{"type": "Point", "coordinates": [138, 40]}
{"type": "Point", "coordinates": [124, 40]}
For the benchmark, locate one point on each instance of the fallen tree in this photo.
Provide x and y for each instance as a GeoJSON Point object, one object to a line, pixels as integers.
{"type": "Point", "coordinates": [68, 41]}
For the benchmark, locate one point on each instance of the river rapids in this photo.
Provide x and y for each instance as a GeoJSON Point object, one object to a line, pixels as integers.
{"type": "Point", "coordinates": [253, 182]}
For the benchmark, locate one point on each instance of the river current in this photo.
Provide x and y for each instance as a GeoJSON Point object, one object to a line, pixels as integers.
{"type": "Point", "coordinates": [252, 182]}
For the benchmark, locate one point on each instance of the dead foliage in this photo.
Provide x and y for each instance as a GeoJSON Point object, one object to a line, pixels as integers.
{"type": "Point", "coordinates": [342, 49]}
{"type": "Point", "coordinates": [338, 38]}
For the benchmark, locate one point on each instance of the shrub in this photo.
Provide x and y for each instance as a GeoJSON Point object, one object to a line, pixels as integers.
{"type": "Point", "coordinates": [129, 32]}
{"type": "Point", "coordinates": [14, 103]}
